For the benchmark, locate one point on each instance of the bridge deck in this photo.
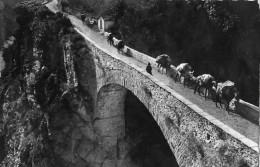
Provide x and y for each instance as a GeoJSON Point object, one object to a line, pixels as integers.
{"type": "Point", "coordinates": [232, 120]}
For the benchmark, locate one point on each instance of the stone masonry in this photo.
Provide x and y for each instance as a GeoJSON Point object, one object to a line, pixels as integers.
{"type": "Point", "coordinates": [195, 138]}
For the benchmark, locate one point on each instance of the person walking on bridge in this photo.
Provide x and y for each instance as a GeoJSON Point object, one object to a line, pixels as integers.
{"type": "Point", "coordinates": [149, 68]}
{"type": "Point", "coordinates": [83, 17]}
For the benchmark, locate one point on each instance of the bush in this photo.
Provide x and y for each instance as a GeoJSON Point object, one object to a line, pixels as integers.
{"type": "Point", "coordinates": [43, 12]}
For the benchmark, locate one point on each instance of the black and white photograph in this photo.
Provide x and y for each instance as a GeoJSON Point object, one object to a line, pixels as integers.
{"type": "Point", "coordinates": [129, 83]}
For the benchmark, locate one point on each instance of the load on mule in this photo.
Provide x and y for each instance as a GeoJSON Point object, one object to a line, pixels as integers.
{"type": "Point", "coordinates": [225, 91]}
{"type": "Point", "coordinates": [184, 70]}
{"type": "Point", "coordinates": [207, 81]}
{"type": "Point", "coordinates": [163, 61]}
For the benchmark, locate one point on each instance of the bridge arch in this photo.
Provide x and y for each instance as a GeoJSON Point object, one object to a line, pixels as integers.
{"type": "Point", "coordinates": [109, 115]}
{"type": "Point", "coordinates": [163, 107]}
{"type": "Point", "coordinates": [114, 125]}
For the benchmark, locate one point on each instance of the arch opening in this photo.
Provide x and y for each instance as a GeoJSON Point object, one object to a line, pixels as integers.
{"type": "Point", "coordinates": [128, 131]}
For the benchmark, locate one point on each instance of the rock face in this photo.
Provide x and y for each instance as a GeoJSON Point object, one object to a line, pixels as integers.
{"type": "Point", "coordinates": [7, 20]}
{"type": "Point", "coordinates": [2, 36]}
{"type": "Point", "coordinates": [1, 22]}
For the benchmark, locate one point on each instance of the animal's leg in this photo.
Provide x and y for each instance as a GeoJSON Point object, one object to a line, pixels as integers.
{"type": "Point", "coordinates": [216, 102]}
{"type": "Point", "coordinates": [184, 81]}
{"type": "Point", "coordinates": [220, 102]}
{"type": "Point", "coordinates": [206, 91]}
{"type": "Point", "coordinates": [227, 107]}
{"type": "Point", "coordinates": [195, 87]}
{"type": "Point", "coordinates": [175, 79]}
{"type": "Point", "coordinates": [199, 90]}
{"type": "Point", "coordinates": [188, 83]}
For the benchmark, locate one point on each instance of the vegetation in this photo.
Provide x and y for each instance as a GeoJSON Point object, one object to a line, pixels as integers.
{"type": "Point", "coordinates": [8, 20]}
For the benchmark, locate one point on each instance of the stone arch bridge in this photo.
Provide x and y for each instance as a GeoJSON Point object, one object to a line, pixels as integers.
{"type": "Point", "coordinates": [195, 137]}
{"type": "Point", "coordinates": [178, 118]}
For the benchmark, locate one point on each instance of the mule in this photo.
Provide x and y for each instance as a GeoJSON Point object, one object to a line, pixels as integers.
{"type": "Point", "coordinates": [206, 81]}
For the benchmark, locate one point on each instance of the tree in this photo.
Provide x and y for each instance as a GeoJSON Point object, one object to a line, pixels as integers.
{"type": "Point", "coordinates": [221, 15]}
{"type": "Point", "coordinates": [64, 5]}
{"type": "Point", "coordinates": [119, 10]}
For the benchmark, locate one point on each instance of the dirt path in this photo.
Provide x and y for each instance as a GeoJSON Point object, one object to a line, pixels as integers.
{"type": "Point", "coordinates": [232, 120]}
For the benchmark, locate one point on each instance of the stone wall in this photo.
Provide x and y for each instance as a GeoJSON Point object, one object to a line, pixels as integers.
{"type": "Point", "coordinates": [248, 110]}
{"type": "Point", "coordinates": [196, 138]}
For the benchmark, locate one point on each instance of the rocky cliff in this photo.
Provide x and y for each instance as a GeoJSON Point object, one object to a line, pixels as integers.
{"type": "Point", "coordinates": [47, 114]}
{"type": "Point", "coordinates": [1, 22]}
